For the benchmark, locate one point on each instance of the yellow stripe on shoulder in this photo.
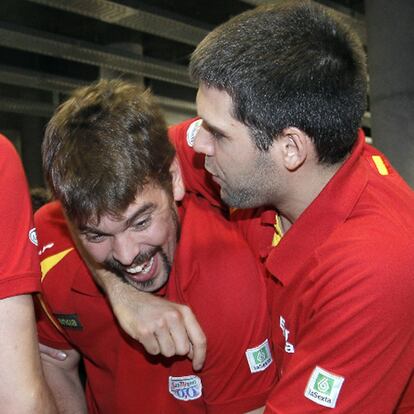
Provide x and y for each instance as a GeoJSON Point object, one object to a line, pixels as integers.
{"type": "Point", "coordinates": [379, 163]}
{"type": "Point", "coordinates": [51, 261]}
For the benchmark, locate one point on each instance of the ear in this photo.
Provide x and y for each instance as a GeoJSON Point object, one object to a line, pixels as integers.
{"type": "Point", "coordinates": [177, 180]}
{"type": "Point", "coordinates": [295, 147]}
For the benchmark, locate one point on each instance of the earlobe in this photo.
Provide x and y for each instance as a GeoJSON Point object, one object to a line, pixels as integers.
{"type": "Point", "coordinates": [294, 147]}
{"type": "Point", "coordinates": [177, 180]}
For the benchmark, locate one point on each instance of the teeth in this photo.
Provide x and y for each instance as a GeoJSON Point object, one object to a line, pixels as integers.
{"type": "Point", "coordinates": [145, 268]}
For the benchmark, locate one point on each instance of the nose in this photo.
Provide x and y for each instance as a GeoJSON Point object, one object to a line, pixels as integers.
{"type": "Point", "coordinates": [204, 142]}
{"type": "Point", "coordinates": [125, 249]}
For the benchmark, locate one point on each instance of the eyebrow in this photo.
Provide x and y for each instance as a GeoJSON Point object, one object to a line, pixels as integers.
{"type": "Point", "coordinates": [212, 128]}
{"type": "Point", "coordinates": [146, 208]}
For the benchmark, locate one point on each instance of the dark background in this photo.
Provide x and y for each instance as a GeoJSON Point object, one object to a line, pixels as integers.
{"type": "Point", "coordinates": [48, 47]}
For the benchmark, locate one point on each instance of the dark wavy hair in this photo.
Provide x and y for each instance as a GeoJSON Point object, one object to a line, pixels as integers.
{"type": "Point", "coordinates": [293, 64]}
{"type": "Point", "coordinates": [102, 145]}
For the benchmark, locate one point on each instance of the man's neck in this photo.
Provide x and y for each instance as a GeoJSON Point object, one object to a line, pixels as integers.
{"type": "Point", "coordinates": [303, 189]}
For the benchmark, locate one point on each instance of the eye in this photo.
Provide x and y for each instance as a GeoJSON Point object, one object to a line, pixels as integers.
{"type": "Point", "coordinates": [94, 237]}
{"type": "Point", "coordinates": [216, 135]}
{"type": "Point", "coordinates": [141, 223]}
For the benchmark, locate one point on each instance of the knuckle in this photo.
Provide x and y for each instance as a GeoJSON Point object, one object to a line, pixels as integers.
{"type": "Point", "coordinates": [185, 309]}
{"type": "Point", "coordinates": [184, 349]}
{"type": "Point", "coordinates": [144, 334]}
{"type": "Point", "coordinates": [174, 316]}
{"type": "Point", "coordinates": [169, 352]}
{"type": "Point", "coordinates": [160, 324]}
{"type": "Point", "coordinates": [153, 350]}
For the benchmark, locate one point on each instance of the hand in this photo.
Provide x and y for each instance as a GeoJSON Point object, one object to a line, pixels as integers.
{"type": "Point", "coordinates": [162, 327]}
{"type": "Point", "coordinates": [56, 354]}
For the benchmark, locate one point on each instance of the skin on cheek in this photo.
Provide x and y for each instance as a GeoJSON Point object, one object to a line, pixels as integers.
{"type": "Point", "coordinates": [97, 251]}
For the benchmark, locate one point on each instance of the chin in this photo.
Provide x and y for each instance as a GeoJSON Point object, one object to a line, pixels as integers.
{"type": "Point", "coordinates": [150, 286]}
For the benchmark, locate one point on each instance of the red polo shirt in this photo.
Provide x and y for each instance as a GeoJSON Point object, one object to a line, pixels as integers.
{"type": "Point", "coordinates": [19, 264]}
{"type": "Point", "coordinates": [225, 291]}
{"type": "Point", "coordinates": [341, 288]}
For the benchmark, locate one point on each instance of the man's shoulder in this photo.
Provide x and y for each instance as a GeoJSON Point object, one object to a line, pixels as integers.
{"type": "Point", "coordinates": [57, 252]}
{"type": "Point", "coordinates": [51, 225]}
{"type": "Point", "coordinates": [178, 132]}
{"type": "Point", "coordinates": [50, 212]}
{"type": "Point", "coordinates": [211, 233]}
{"type": "Point", "coordinates": [7, 149]}
{"type": "Point", "coordinates": [213, 257]}
{"type": "Point", "coordinates": [369, 259]}
{"type": "Point", "coordinates": [12, 176]}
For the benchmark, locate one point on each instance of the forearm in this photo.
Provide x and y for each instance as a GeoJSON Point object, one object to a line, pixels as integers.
{"type": "Point", "coordinates": [65, 385]}
{"type": "Point", "coordinates": [30, 401]}
{"type": "Point", "coordinates": [20, 367]}
{"type": "Point", "coordinates": [159, 325]}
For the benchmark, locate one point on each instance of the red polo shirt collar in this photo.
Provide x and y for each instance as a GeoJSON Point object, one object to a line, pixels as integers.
{"type": "Point", "coordinates": [330, 208]}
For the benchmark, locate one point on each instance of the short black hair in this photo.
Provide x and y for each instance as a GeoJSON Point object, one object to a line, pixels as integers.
{"type": "Point", "coordinates": [289, 65]}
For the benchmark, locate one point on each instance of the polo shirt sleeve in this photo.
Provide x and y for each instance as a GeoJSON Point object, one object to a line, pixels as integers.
{"type": "Point", "coordinates": [49, 331]}
{"type": "Point", "coordinates": [228, 296]}
{"type": "Point", "coordinates": [54, 243]}
{"type": "Point", "coordinates": [354, 351]}
{"type": "Point", "coordinates": [196, 179]}
{"type": "Point", "coordinates": [19, 265]}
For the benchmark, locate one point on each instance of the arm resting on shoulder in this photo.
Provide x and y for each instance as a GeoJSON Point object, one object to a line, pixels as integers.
{"type": "Point", "coordinates": [162, 327]}
{"type": "Point", "coordinates": [63, 379]}
{"type": "Point", "coordinates": [159, 325]}
{"type": "Point", "coordinates": [23, 388]}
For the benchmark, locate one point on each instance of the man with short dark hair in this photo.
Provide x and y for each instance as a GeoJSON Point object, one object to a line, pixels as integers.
{"type": "Point", "coordinates": [110, 165]}
{"type": "Point", "coordinates": [282, 90]}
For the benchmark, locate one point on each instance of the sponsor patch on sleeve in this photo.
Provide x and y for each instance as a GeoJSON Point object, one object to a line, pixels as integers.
{"type": "Point", "coordinates": [259, 358]}
{"type": "Point", "coordinates": [185, 388]}
{"type": "Point", "coordinates": [323, 387]}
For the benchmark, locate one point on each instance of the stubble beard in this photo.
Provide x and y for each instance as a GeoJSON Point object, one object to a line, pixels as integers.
{"type": "Point", "coordinates": [117, 269]}
{"type": "Point", "coordinates": [251, 191]}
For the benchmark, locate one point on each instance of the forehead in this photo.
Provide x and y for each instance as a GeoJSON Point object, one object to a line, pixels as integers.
{"type": "Point", "coordinates": [215, 106]}
{"type": "Point", "coordinates": [147, 200]}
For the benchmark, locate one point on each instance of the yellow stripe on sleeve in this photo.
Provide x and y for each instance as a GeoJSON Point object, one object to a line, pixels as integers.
{"type": "Point", "coordinates": [379, 163]}
{"type": "Point", "coordinates": [52, 261]}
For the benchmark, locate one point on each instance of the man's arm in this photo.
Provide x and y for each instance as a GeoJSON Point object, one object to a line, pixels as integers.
{"type": "Point", "coordinates": [23, 388]}
{"type": "Point", "coordinates": [162, 327]}
{"type": "Point", "coordinates": [63, 379]}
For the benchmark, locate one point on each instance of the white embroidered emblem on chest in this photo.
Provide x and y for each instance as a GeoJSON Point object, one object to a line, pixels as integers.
{"type": "Point", "coordinates": [185, 388]}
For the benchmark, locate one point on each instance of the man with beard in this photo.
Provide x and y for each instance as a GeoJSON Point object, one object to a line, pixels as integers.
{"type": "Point", "coordinates": [122, 205]}
{"type": "Point", "coordinates": [281, 94]}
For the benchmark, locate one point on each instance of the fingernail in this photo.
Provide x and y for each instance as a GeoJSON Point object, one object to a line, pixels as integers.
{"type": "Point", "coordinates": [62, 355]}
